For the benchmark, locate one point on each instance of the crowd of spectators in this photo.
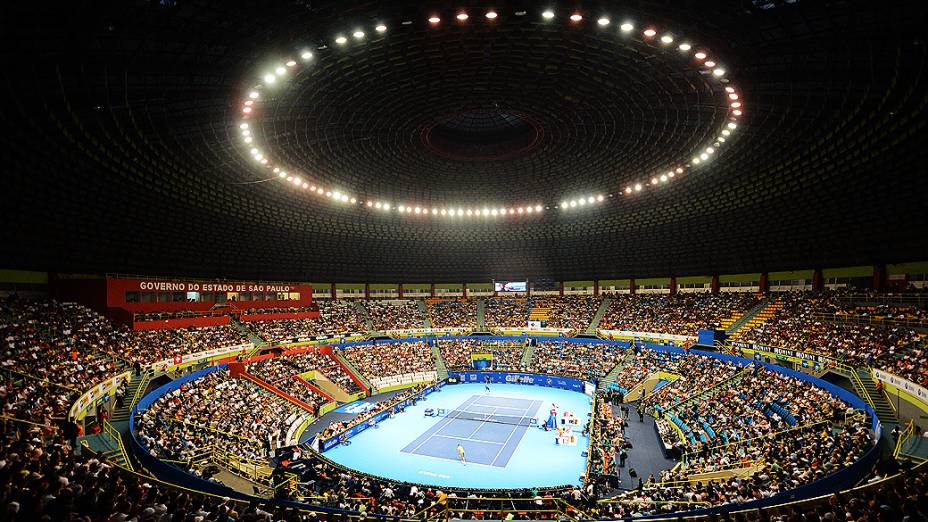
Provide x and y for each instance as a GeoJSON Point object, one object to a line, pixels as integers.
{"type": "Point", "coordinates": [503, 312]}
{"type": "Point", "coordinates": [454, 313]}
{"type": "Point", "coordinates": [394, 315]}
{"type": "Point", "coordinates": [574, 312]}
{"type": "Point", "coordinates": [216, 411]}
{"type": "Point", "coordinates": [457, 354]}
{"type": "Point", "coordinates": [336, 317]}
{"type": "Point", "coordinates": [66, 345]}
{"type": "Point", "coordinates": [680, 314]}
{"type": "Point", "coordinates": [798, 325]}
{"type": "Point", "coordinates": [385, 359]}
{"type": "Point", "coordinates": [590, 361]}
{"type": "Point", "coordinates": [283, 368]}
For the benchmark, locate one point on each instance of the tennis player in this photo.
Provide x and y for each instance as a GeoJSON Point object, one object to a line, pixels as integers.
{"type": "Point", "coordinates": [461, 454]}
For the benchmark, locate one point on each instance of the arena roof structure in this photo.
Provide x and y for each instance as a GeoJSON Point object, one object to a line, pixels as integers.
{"type": "Point", "coordinates": [441, 143]}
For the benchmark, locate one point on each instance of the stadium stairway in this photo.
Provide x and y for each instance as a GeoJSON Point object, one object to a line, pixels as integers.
{"type": "Point", "coordinates": [276, 391]}
{"type": "Point", "coordinates": [738, 376]}
{"type": "Point", "coordinates": [106, 446]}
{"type": "Point", "coordinates": [440, 367]}
{"type": "Point", "coordinates": [884, 410]}
{"type": "Point", "coordinates": [758, 315]}
{"type": "Point", "coordinates": [356, 375]}
{"type": "Point", "coordinates": [359, 306]}
{"type": "Point", "coordinates": [252, 337]}
{"type": "Point", "coordinates": [527, 354]}
{"type": "Point", "coordinates": [424, 310]}
{"type": "Point", "coordinates": [598, 316]}
{"type": "Point", "coordinates": [330, 390]}
{"type": "Point", "coordinates": [609, 379]}
{"type": "Point", "coordinates": [481, 315]}
{"type": "Point", "coordinates": [134, 391]}
{"type": "Point", "coordinates": [315, 389]}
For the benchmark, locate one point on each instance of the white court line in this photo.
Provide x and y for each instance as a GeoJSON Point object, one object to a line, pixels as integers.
{"type": "Point", "coordinates": [511, 433]}
{"type": "Point", "coordinates": [462, 438]}
{"type": "Point", "coordinates": [482, 423]}
{"type": "Point", "coordinates": [446, 420]}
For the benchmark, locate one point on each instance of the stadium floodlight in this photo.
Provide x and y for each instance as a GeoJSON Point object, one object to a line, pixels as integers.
{"type": "Point", "coordinates": [685, 46]}
{"type": "Point", "coordinates": [386, 206]}
{"type": "Point", "coordinates": [710, 150]}
{"type": "Point", "coordinates": [306, 56]}
{"type": "Point", "coordinates": [732, 125]}
{"type": "Point", "coordinates": [710, 63]}
{"type": "Point", "coordinates": [548, 14]}
{"type": "Point", "coordinates": [719, 72]}
{"type": "Point", "coordinates": [290, 63]}
{"type": "Point", "coordinates": [353, 200]}
{"type": "Point", "coordinates": [341, 40]}
{"type": "Point", "coordinates": [603, 21]}
{"type": "Point", "coordinates": [581, 202]}
{"type": "Point", "coordinates": [650, 32]}
{"type": "Point", "coordinates": [696, 160]}
{"type": "Point", "coordinates": [733, 96]}
{"type": "Point", "coordinates": [491, 15]}
{"type": "Point", "coordinates": [637, 187]}
{"type": "Point", "coordinates": [381, 28]}
{"type": "Point", "coordinates": [679, 170]}
{"type": "Point", "coordinates": [537, 208]}
{"type": "Point", "coordinates": [664, 178]}
{"type": "Point", "coordinates": [280, 70]}
{"type": "Point", "coordinates": [591, 200]}
{"type": "Point", "coordinates": [704, 156]}
{"type": "Point", "coordinates": [358, 34]}
{"type": "Point", "coordinates": [700, 55]}
{"type": "Point", "coordinates": [462, 17]}
{"type": "Point", "coordinates": [253, 95]}
{"type": "Point", "coordinates": [600, 197]}
{"type": "Point", "coordinates": [243, 125]}
{"type": "Point", "coordinates": [269, 79]}
{"type": "Point", "coordinates": [627, 27]}
{"type": "Point", "coordinates": [247, 139]}
{"type": "Point", "coordinates": [434, 20]}
{"type": "Point", "coordinates": [736, 112]}
{"type": "Point", "coordinates": [735, 105]}
{"type": "Point", "coordinates": [282, 175]}
{"type": "Point", "coordinates": [576, 17]}
{"type": "Point", "coordinates": [666, 39]}
{"type": "Point", "coordinates": [573, 203]}
{"type": "Point", "coordinates": [628, 190]}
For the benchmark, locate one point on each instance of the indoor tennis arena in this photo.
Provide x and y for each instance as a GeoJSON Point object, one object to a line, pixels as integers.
{"type": "Point", "coordinates": [395, 260]}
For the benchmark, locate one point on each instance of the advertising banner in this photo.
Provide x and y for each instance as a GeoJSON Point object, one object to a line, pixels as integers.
{"type": "Point", "coordinates": [550, 381]}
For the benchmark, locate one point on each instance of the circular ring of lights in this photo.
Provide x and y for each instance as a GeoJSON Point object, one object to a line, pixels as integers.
{"type": "Point", "coordinates": [650, 35]}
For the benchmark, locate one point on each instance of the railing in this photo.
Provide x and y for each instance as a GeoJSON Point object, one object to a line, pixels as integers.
{"type": "Point", "coordinates": [852, 372]}
{"type": "Point", "coordinates": [868, 319]}
{"type": "Point", "coordinates": [115, 435]}
{"type": "Point", "coordinates": [146, 378]}
{"type": "Point", "coordinates": [213, 430]}
{"type": "Point", "coordinates": [593, 432]}
{"type": "Point", "coordinates": [485, 507]}
{"type": "Point", "coordinates": [903, 438]}
{"type": "Point", "coordinates": [767, 436]}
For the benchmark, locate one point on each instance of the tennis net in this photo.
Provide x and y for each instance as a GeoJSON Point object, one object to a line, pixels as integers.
{"type": "Point", "coordinates": [515, 420]}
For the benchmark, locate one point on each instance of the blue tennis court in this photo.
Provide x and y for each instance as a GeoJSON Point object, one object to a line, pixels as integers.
{"type": "Point", "coordinates": [529, 458]}
{"type": "Point", "coordinates": [488, 428]}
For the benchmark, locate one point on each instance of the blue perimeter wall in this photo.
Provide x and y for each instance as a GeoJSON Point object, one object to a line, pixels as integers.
{"type": "Point", "coordinates": [844, 479]}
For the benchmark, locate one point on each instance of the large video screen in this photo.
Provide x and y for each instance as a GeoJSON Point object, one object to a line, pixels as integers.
{"type": "Point", "coordinates": [512, 286]}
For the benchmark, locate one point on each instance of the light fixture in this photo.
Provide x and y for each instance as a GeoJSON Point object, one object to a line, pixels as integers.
{"type": "Point", "coordinates": [547, 14]}
{"type": "Point", "coordinates": [491, 15]}
{"type": "Point", "coordinates": [280, 70]}
{"type": "Point", "coordinates": [700, 55]}
{"type": "Point", "coordinates": [603, 21]}
{"type": "Point", "coordinates": [306, 56]}
{"type": "Point", "coordinates": [341, 40]}
{"type": "Point", "coordinates": [253, 95]}
{"type": "Point", "coordinates": [637, 187]}
{"type": "Point", "coordinates": [667, 39]}
{"type": "Point", "coordinates": [628, 190]}
{"type": "Point", "coordinates": [718, 72]}
{"type": "Point", "coordinates": [537, 208]}
{"type": "Point", "coordinates": [291, 63]}
{"type": "Point", "coordinates": [650, 32]}
{"type": "Point", "coordinates": [685, 46]}
{"type": "Point", "coordinates": [358, 34]}
{"type": "Point", "coordinates": [732, 125]}
{"type": "Point", "coordinates": [462, 17]}
{"type": "Point", "coordinates": [627, 27]}
{"type": "Point", "coordinates": [576, 17]}
{"type": "Point", "coordinates": [434, 20]}
{"type": "Point", "coordinates": [381, 28]}
{"type": "Point", "coordinates": [696, 160]}
{"type": "Point", "coordinates": [269, 79]}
